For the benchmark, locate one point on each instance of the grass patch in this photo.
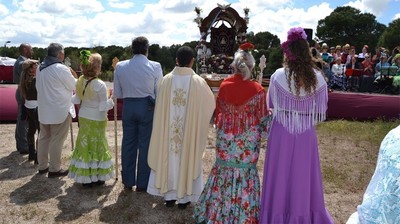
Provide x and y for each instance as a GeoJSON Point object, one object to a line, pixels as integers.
{"type": "Point", "coordinates": [354, 145]}
{"type": "Point", "coordinates": [371, 131]}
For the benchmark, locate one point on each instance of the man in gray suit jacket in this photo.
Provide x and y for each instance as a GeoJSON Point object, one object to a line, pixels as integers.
{"type": "Point", "coordinates": [21, 129]}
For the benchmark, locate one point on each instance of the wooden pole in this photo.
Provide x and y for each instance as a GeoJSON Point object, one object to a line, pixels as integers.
{"type": "Point", "coordinates": [72, 136]}
{"type": "Point", "coordinates": [114, 64]}
{"type": "Point", "coordinates": [116, 136]}
{"type": "Point", "coordinates": [262, 65]}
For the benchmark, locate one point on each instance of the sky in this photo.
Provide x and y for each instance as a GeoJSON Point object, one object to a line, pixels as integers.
{"type": "Point", "coordinates": [90, 23]}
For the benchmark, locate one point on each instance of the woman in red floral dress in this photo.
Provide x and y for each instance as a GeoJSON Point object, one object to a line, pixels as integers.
{"type": "Point", "coordinates": [232, 191]}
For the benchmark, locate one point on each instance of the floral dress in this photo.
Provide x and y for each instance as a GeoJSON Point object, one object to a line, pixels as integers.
{"type": "Point", "coordinates": [232, 191]}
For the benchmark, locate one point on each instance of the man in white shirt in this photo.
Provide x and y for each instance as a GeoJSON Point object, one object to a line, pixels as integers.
{"type": "Point", "coordinates": [55, 84]}
{"type": "Point", "coordinates": [135, 81]}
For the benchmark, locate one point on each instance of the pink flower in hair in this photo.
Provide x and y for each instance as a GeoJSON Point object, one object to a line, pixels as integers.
{"type": "Point", "coordinates": [294, 34]}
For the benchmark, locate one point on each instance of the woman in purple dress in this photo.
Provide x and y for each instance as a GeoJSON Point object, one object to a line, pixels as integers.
{"type": "Point", "coordinates": [292, 184]}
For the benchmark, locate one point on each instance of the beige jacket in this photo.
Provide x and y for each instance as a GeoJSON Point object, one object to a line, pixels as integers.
{"type": "Point", "coordinates": [200, 107]}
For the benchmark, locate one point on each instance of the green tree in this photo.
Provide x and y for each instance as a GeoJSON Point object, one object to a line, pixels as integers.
{"type": "Point", "coordinates": [264, 40]}
{"type": "Point", "coordinates": [109, 53]}
{"type": "Point", "coordinates": [347, 25]}
{"type": "Point", "coordinates": [166, 60]}
{"type": "Point", "coordinates": [266, 44]}
{"type": "Point", "coordinates": [73, 54]}
{"type": "Point", "coordinates": [174, 48]}
{"type": "Point", "coordinates": [154, 49]}
{"type": "Point", "coordinates": [391, 36]}
{"type": "Point", "coordinates": [39, 53]}
{"type": "Point", "coordinates": [274, 61]}
{"type": "Point", "coordinates": [11, 52]}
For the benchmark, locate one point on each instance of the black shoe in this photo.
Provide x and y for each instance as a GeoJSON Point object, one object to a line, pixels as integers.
{"type": "Point", "coordinates": [32, 157]}
{"type": "Point", "coordinates": [141, 189]}
{"type": "Point", "coordinates": [88, 185]}
{"type": "Point", "coordinates": [60, 173]}
{"type": "Point", "coordinates": [44, 171]}
{"type": "Point", "coordinates": [24, 152]}
{"type": "Point", "coordinates": [170, 203]}
{"type": "Point", "coordinates": [183, 205]}
{"type": "Point", "coordinates": [99, 183]}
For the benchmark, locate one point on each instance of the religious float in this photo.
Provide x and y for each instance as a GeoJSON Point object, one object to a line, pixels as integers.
{"type": "Point", "coordinates": [226, 30]}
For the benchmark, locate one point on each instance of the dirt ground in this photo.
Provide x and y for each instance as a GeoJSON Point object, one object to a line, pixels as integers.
{"type": "Point", "coordinates": [26, 197]}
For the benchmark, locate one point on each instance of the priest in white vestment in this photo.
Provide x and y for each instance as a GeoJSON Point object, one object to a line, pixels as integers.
{"type": "Point", "coordinates": [183, 110]}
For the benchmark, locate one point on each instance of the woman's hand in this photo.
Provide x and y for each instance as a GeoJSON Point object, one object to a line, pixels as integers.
{"type": "Point", "coordinates": [73, 72]}
{"type": "Point", "coordinates": [269, 112]}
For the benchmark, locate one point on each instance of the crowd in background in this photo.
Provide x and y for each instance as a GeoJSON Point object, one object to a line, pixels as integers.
{"type": "Point", "coordinates": [373, 71]}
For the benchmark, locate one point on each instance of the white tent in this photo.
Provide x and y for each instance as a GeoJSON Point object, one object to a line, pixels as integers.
{"type": "Point", "coordinates": [6, 69]}
{"type": "Point", "coordinates": [6, 61]}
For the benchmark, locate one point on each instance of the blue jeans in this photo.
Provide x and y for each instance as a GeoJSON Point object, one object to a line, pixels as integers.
{"type": "Point", "coordinates": [137, 124]}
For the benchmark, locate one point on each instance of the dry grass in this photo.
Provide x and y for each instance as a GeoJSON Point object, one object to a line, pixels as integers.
{"type": "Point", "coordinates": [348, 153]}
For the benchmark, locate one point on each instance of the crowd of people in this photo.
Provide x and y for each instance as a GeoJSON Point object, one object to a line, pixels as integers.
{"type": "Point", "coordinates": [165, 123]}
{"type": "Point", "coordinates": [347, 70]}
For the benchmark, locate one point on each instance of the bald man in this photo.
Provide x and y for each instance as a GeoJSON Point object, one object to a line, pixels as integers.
{"type": "Point", "coordinates": [21, 129]}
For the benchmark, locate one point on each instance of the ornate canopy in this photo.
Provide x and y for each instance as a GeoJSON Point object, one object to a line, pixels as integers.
{"type": "Point", "coordinates": [227, 30]}
{"type": "Point", "coordinates": [224, 13]}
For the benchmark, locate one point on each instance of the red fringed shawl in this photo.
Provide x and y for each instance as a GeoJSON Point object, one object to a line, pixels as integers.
{"type": "Point", "coordinates": [240, 105]}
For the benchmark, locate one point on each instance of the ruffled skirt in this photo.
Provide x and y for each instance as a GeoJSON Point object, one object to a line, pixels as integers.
{"type": "Point", "coordinates": [91, 161]}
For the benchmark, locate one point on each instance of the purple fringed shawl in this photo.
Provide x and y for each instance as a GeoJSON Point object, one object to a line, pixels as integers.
{"type": "Point", "coordinates": [297, 113]}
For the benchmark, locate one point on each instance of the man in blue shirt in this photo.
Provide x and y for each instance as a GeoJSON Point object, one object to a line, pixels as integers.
{"type": "Point", "coordinates": [135, 81]}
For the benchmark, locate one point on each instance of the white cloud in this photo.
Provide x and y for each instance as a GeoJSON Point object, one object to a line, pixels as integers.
{"type": "Point", "coordinates": [397, 16]}
{"type": "Point", "coordinates": [278, 22]}
{"type": "Point", "coordinates": [372, 6]}
{"type": "Point", "coordinates": [120, 5]}
{"type": "Point", "coordinates": [87, 23]}
{"type": "Point", "coordinates": [256, 6]}
{"type": "Point", "coordinates": [60, 8]}
{"type": "Point", "coordinates": [3, 10]}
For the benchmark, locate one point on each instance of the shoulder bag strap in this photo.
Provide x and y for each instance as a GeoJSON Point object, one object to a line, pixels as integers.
{"type": "Point", "coordinates": [84, 89]}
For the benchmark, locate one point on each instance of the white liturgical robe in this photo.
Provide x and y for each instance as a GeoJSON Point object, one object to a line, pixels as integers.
{"type": "Point", "coordinates": [182, 114]}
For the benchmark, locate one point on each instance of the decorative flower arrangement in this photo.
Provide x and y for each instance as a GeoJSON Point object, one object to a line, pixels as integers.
{"type": "Point", "coordinates": [294, 34]}
{"type": "Point", "coordinates": [247, 46]}
{"type": "Point", "coordinates": [220, 64]}
{"type": "Point", "coordinates": [246, 14]}
{"type": "Point", "coordinates": [198, 10]}
{"type": "Point", "coordinates": [246, 11]}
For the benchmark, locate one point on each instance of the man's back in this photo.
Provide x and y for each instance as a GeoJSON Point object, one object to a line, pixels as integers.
{"type": "Point", "coordinates": [54, 84]}
{"type": "Point", "coordinates": [18, 69]}
{"type": "Point", "coordinates": [136, 78]}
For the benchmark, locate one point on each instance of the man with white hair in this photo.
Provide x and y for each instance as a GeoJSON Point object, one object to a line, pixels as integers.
{"type": "Point", "coordinates": [54, 83]}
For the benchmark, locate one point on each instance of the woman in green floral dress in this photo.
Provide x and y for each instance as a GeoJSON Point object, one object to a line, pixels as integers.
{"type": "Point", "coordinates": [91, 161]}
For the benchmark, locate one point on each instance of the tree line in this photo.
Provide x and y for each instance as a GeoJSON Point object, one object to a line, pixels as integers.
{"type": "Point", "coordinates": [345, 25]}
